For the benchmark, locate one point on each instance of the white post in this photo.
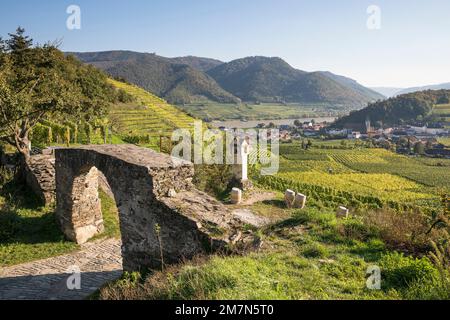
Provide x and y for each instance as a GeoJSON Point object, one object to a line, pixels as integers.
{"type": "Point", "coordinates": [241, 161]}
{"type": "Point", "coordinates": [236, 196]}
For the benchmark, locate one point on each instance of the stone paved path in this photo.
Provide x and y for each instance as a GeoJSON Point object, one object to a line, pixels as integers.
{"type": "Point", "coordinates": [98, 261]}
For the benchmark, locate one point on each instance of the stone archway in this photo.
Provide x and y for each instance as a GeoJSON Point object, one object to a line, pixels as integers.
{"type": "Point", "coordinates": [159, 209]}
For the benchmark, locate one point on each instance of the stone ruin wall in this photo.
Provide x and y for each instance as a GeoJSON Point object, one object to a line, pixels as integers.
{"type": "Point", "coordinates": [151, 192]}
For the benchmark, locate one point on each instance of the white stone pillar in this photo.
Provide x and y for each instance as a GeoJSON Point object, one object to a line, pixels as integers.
{"type": "Point", "coordinates": [240, 168]}
{"type": "Point", "coordinates": [289, 198]}
{"type": "Point", "coordinates": [300, 201]}
{"type": "Point", "coordinates": [342, 212]}
{"type": "Point", "coordinates": [236, 196]}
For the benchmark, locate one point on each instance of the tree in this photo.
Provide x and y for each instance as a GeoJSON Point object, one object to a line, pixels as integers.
{"type": "Point", "coordinates": [419, 148]}
{"type": "Point", "coordinates": [39, 82]}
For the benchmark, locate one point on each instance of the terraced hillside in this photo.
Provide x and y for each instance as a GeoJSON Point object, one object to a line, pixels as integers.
{"type": "Point", "coordinates": [443, 112]}
{"type": "Point", "coordinates": [148, 116]}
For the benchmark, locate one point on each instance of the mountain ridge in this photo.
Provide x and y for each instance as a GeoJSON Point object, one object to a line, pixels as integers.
{"type": "Point", "coordinates": [184, 80]}
{"type": "Point", "coordinates": [253, 78]}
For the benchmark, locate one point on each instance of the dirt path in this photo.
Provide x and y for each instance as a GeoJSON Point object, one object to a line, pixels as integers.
{"type": "Point", "coordinates": [98, 262]}
{"type": "Point", "coordinates": [258, 196]}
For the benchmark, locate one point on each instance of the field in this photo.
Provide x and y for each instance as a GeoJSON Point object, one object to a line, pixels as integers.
{"type": "Point", "coordinates": [264, 111]}
{"type": "Point", "coordinates": [442, 109]}
{"type": "Point", "coordinates": [445, 141]}
{"type": "Point", "coordinates": [442, 112]}
{"type": "Point", "coordinates": [361, 177]}
{"type": "Point", "coordinates": [149, 115]}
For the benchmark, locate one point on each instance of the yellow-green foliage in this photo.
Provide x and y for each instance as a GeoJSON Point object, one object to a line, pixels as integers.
{"type": "Point", "coordinates": [150, 115]}
{"type": "Point", "coordinates": [444, 141]}
{"type": "Point", "coordinates": [442, 109]}
{"type": "Point", "coordinates": [369, 172]}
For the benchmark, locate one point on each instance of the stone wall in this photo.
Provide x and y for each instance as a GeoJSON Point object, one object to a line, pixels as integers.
{"type": "Point", "coordinates": [40, 177]}
{"type": "Point", "coordinates": [159, 208]}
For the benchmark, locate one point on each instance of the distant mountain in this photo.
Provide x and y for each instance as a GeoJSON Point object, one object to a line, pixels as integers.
{"type": "Point", "coordinates": [202, 64]}
{"type": "Point", "coordinates": [165, 77]}
{"type": "Point", "coordinates": [274, 80]}
{"type": "Point", "coordinates": [442, 86]}
{"type": "Point", "coordinates": [397, 110]}
{"type": "Point", "coordinates": [387, 91]}
{"type": "Point", "coordinates": [193, 79]}
{"type": "Point", "coordinates": [372, 94]}
{"type": "Point", "coordinates": [392, 92]}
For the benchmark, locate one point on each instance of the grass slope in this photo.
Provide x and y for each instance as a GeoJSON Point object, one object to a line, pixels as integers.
{"type": "Point", "coordinates": [310, 255]}
{"type": "Point", "coordinates": [30, 232]}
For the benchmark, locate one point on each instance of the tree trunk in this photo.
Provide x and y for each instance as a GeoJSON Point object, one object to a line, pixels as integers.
{"type": "Point", "coordinates": [23, 145]}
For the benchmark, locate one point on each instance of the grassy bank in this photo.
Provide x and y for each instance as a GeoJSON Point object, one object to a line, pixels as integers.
{"type": "Point", "coordinates": [30, 232]}
{"type": "Point", "coordinates": [310, 255]}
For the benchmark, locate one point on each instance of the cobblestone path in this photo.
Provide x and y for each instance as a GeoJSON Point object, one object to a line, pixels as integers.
{"type": "Point", "coordinates": [98, 262]}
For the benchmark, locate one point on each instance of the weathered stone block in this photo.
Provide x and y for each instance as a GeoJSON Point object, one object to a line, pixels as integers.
{"type": "Point", "coordinates": [236, 196]}
{"type": "Point", "coordinates": [40, 177]}
{"type": "Point", "coordinates": [342, 212]}
{"type": "Point", "coordinates": [289, 198]}
{"type": "Point", "coordinates": [300, 201]}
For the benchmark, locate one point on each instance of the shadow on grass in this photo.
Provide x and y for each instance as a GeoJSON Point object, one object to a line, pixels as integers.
{"type": "Point", "coordinates": [23, 219]}
{"type": "Point", "coordinates": [275, 203]}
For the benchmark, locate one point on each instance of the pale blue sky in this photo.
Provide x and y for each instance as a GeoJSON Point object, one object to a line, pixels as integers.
{"type": "Point", "coordinates": [412, 48]}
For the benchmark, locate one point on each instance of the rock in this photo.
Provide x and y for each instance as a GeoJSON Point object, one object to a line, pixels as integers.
{"type": "Point", "coordinates": [236, 237]}
{"type": "Point", "coordinates": [342, 212]}
{"type": "Point", "coordinates": [289, 198]}
{"type": "Point", "coordinates": [300, 201]}
{"type": "Point", "coordinates": [83, 234]}
{"type": "Point", "coordinates": [236, 196]}
{"type": "Point", "coordinates": [247, 217]}
{"type": "Point", "coordinates": [40, 177]}
{"type": "Point", "coordinates": [172, 193]}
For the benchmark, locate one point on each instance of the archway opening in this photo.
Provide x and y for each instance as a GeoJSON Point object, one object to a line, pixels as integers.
{"type": "Point", "coordinates": [95, 214]}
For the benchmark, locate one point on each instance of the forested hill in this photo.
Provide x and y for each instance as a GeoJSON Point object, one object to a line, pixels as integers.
{"type": "Point", "coordinates": [272, 79]}
{"type": "Point", "coordinates": [199, 63]}
{"type": "Point", "coordinates": [397, 110]}
{"type": "Point", "coordinates": [167, 78]}
{"type": "Point", "coordinates": [256, 79]}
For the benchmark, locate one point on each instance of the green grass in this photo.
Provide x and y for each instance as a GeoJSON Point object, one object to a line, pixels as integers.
{"type": "Point", "coordinates": [27, 231]}
{"type": "Point", "coordinates": [264, 111]}
{"type": "Point", "coordinates": [306, 256]}
{"type": "Point", "coordinates": [110, 217]}
{"type": "Point", "coordinates": [30, 232]}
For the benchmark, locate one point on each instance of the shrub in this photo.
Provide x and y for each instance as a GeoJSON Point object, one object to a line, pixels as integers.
{"type": "Point", "coordinates": [401, 231]}
{"type": "Point", "coordinates": [315, 250]}
{"type": "Point", "coordinates": [316, 216]}
{"type": "Point", "coordinates": [355, 228]}
{"type": "Point", "coordinates": [399, 271]}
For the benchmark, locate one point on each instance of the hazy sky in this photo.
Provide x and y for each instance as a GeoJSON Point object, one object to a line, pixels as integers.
{"type": "Point", "coordinates": [411, 48]}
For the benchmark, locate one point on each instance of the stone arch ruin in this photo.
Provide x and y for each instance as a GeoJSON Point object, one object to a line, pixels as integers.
{"type": "Point", "coordinates": [152, 191]}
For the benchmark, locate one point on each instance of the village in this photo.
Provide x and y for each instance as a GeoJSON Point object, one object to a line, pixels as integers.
{"type": "Point", "coordinates": [410, 139]}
